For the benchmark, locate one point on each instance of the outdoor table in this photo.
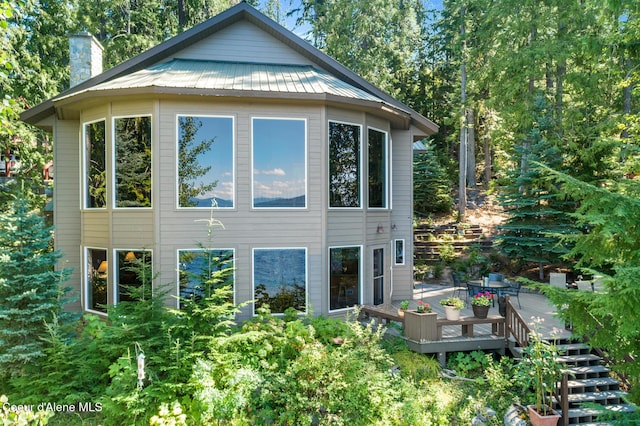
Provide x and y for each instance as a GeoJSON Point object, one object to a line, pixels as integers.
{"type": "Point", "coordinates": [493, 287]}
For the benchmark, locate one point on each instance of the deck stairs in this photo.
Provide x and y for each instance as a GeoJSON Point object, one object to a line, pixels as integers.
{"type": "Point", "coordinates": [589, 382]}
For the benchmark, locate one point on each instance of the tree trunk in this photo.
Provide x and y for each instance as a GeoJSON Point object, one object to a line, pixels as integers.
{"type": "Point", "coordinates": [471, 148]}
{"type": "Point", "coordinates": [462, 154]}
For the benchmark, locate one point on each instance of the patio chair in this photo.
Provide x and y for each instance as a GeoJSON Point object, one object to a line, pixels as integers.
{"type": "Point", "coordinates": [458, 286]}
{"type": "Point", "coordinates": [496, 277]}
{"type": "Point", "coordinates": [512, 290]}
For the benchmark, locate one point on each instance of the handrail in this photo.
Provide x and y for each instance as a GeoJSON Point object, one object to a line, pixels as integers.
{"type": "Point", "coordinates": [516, 325]}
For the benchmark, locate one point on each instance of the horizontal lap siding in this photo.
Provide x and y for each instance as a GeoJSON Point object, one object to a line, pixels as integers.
{"type": "Point", "coordinates": [402, 215]}
{"type": "Point", "coordinates": [243, 42]}
{"type": "Point", "coordinates": [67, 201]}
{"type": "Point", "coordinates": [245, 228]}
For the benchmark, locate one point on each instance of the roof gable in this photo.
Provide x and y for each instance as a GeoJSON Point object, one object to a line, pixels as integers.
{"type": "Point", "coordinates": [183, 41]}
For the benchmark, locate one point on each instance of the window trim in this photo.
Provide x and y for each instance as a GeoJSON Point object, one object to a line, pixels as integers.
{"type": "Point", "coordinates": [233, 253]}
{"type": "Point", "coordinates": [360, 248]}
{"type": "Point", "coordinates": [306, 162]}
{"type": "Point", "coordinates": [84, 169]}
{"type": "Point", "coordinates": [395, 251]}
{"type": "Point", "coordinates": [114, 163]}
{"type": "Point", "coordinates": [360, 168]}
{"type": "Point", "coordinates": [306, 276]}
{"type": "Point", "coordinates": [387, 171]}
{"type": "Point", "coordinates": [86, 284]}
{"type": "Point", "coordinates": [233, 160]}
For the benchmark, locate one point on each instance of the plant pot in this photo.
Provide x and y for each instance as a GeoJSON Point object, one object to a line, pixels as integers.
{"type": "Point", "coordinates": [401, 312]}
{"type": "Point", "coordinates": [538, 419]}
{"type": "Point", "coordinates": [480, 311]}
{"type": "Point", "coordinates": [452, 313]}
{"type": "Point", "coordinates": [420, 326]}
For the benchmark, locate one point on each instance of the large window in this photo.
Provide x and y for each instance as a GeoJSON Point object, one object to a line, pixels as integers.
{"type": "Point", "coordinates": [205, 162]}
{"type": "Point", "coordinates": [96, 280]}
{"type": "Point", "coordinates": [133, 275]}
{"type": "Point", "coordinates": [201, 272]}
{"type": "Point", "coordinates": [279, 163]}
{"type": "Point", "coordinates": [133, 162]}
{"type": "Point", "coordinates": [280, 278]}
{"type": "Point", "coordinates": [344, 277]}
{"type": "Point", "coordinates": [377, 169]}
{"type": "Point", "coordinates": [95, 165]}
{"type": "Point", "coordinates": [344, 165]}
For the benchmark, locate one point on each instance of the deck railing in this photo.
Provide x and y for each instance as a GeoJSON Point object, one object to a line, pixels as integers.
{"type": "Point", "coordinates": [516, 326]}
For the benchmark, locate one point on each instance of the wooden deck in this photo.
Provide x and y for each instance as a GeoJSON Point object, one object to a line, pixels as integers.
{"type": "Point", "coordinates": [536, 310]}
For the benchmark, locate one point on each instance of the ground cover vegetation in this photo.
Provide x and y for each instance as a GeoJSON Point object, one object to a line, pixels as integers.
{"type": "Point", "coordinates": [549, 89]}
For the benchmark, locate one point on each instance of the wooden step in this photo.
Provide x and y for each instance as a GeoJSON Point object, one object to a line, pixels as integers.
{"type": "Point", "coordinates": [588, 414]}
{"type": "Point", "coordinates": [593, 385]}
{"type": "Point", "coordinates": [613, 397]}
{"type": "Point", "coordinates": [588, 372]}
{"type": "Point", "coordinates": [579, 360]}
{"type": "Point", "coordinates": [566, 349]}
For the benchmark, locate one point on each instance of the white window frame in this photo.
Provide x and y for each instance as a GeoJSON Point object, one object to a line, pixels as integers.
{"type": "Point", "coordinates": [233, 253]}
{"type": "Point", "coordinates": [306, 277]}
{"type": "Point", "coordinates": [115, 277]}
{"type": "Point", "coordinates": [360, 247]}
{"type": "Point", "coordinates": [87, 285]}
{"type": "Point", "coordinates": [114, 160]}
{"type": "Point", "coordinates": [233, 159]}
{"type": "Point", "coordinates": [360, 170]}
{"type": "Point", "coordinates": [306, 162]}
{"type": "Point", "coordinates": [387, 169]}
{"type": "Point", "coordinates": [83, 149]}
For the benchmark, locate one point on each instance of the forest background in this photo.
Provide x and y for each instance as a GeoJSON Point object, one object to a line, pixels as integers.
{"type": "Point", "coordinates": [536, 101]}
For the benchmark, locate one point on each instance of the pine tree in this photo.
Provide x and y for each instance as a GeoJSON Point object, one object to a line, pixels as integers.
{"type": "Point", "coordinates": [430, 183]}
{"type": "Point", "coordinates": [537, 215]}
{"type": "Point", "coordinates": [30, 287]}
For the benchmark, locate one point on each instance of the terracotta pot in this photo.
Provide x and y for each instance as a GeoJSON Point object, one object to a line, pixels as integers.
{"type": "Point", "coordinates": [451, 313]}
{"type": "Point", "coordinates": [538, 419]}
{"type": "Point", "coordinates": [480, 311]}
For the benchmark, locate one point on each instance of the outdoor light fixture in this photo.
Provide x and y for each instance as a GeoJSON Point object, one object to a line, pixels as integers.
{"type": "Point", "coordinates": [380, 229]}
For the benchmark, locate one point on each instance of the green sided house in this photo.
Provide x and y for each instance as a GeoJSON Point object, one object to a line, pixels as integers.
{"type": "Point", "coordinates": [307, 165]}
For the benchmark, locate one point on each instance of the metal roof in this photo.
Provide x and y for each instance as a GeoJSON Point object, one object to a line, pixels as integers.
{"type": "Point", "coordinates": [241, 11]}
{"type": "Point", "coordinates": [236, 76]}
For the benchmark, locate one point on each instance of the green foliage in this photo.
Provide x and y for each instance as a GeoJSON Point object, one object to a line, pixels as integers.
{"type": "Point", "coordinates": [472, 364]}
{"type": "Point", "coordinates": [14, 414]}
{"type": "Point", "coordinates": [537, 214]}
{"type": "Point", "coordinates": [418, 368]}
{"type": "Point", "coordinates": [31, 290]}
{"type": "Point", "coordinates": [431, 185]}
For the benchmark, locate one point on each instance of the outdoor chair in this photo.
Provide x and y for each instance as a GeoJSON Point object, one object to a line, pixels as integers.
{"type": "Point", "coordinates": [512, 290]}
{"type": "Point", "coordinates": [496, 277]}
{"type": "Point", "coordinates": [458, 286]}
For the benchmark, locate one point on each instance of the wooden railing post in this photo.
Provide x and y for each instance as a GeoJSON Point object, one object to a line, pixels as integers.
{"type": "Point", "coordinates": [564, 398]}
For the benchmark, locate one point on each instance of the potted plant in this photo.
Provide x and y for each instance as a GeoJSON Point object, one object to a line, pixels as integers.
{"type": "Point", "coordinates": [539, 370]}
{"type": "Point", "coordinates": [420, 325]}
{"type": "Point", "coordinates": [481, 303]}
{"type": "Point", "coordinates": [404, 305]}
{"type": "Point", "coordinates": [423, 307]}
{"type": "Point", "coordinates": [452, 307]}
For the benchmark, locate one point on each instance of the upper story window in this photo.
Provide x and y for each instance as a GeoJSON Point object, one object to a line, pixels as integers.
{"type": "Point", "coordinates": [378, 174]}
{"type": "Point", "coordinates": [132, 137]}
{"type": "Point", "coordinates": [344, 165]}
{"type": "Point", "coordinates": [279, 163]}
{"type": "Point", "coordinates": [95, 166]}
{"type": "Point", "coordinates": [205, 162]}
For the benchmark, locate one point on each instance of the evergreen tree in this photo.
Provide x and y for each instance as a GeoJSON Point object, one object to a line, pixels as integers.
{"type": "Point", "coordinates": [189, 168]}
{"type": "Point", "coordinates": [430, 183]}
{"type": "Point", "coordinates": [30, 288]}
{"type": "Point", "coordinates": [536, 212]}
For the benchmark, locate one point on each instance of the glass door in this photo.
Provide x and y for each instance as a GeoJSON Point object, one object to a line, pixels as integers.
{"type": "Point", "coordinates": [378, 276]}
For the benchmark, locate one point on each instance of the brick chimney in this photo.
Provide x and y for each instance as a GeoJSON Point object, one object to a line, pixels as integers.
{"type": "Point", "coordinates": [85, 57]}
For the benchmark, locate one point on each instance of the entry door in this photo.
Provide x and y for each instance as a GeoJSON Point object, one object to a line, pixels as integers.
{"type": "Point", "coordinates": [378, 276]}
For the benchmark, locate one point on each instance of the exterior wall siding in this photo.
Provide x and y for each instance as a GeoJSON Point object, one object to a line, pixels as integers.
{"type": "Point", "coordinates": [243, 42]}
{"type": "Point", "coordinates": [67, 201]}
